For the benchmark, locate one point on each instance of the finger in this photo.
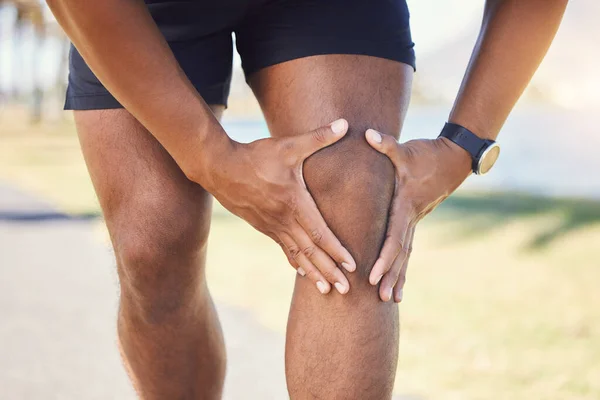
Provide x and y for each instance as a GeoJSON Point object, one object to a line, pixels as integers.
{"type": "Point", "coordinates": [291, 260]}
{"type": "Point", "coordinates": [326, 266]}
{"type": "Point", "coordinates": [390, 278]}
{"type": "Point", "coordinates": [313, 141]}
{"type": "Point", "coordinates": [385, 144]}
{"type": "Point", "coordinates": [289, 257]}
{"type": "Point", "coordinates": [305, 266]}
{"type": "Point", "coordinates": [399, 222]}
{"type": "Point", "coordinates": [399, 288]}
{"type": "Point", "coordinates": [314, 225]}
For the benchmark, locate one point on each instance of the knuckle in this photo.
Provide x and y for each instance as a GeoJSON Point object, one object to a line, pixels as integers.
{"type": "Point", "coordinates": [316, 236]}
{"type": "Point", "coordinates": [395, 241]}
{"type": "Point", "coordinates": [319, 135]}
{"type": "Point", "coordinates": [289, 204]}
{"type": "Point", "coordinates": [289, 149]}
{"type": "Point", "coordinates": [309, 251]}
{"type": "Point", "coordinates": [280, 208]}
{"type": "Point", "coordinates": [285, 145]}
{"type": "Point", "coordinates": [294, 252]}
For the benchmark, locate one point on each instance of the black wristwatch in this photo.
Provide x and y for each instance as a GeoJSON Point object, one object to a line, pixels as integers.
{"type": "Point", "coordinates": [484, 153]}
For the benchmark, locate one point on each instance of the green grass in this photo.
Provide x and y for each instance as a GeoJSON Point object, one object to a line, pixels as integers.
{"type": "Point", "coordinates": [484, 317]}
{"type": "Point", "coordinates": [502, 299]}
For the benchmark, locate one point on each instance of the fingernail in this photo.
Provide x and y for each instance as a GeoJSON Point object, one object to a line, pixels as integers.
{"type": "Point", "coordinates": [399, 295]}
{"type": "Point", "coordinates": [322, 288]}
{"type": "Point", "coordinates": [390, 294]}
{"type": "Point", "coordinates": [301, 271]}
{"type": "Point", "coordinates": [349, 267]}
{"type": "Point", "coordinates": [341, 288]}
{"type": "Point", "coordinates": [339, 126]}
{"type": "Point", "coordinates": [374, 135]}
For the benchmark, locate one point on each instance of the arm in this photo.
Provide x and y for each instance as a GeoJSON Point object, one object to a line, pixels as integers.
{"type": "Point", "coordinates": [514, 38]}
{"type": "Point", "coordinates": [260, 182]}
{"type": "Point", "coordinates": [124, 48]}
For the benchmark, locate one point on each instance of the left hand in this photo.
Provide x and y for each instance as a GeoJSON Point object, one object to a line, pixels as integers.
{"type": "Point", "coordinates": [427, 172]}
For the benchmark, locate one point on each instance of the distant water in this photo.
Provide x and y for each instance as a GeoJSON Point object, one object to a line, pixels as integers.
{"type": "Point", "coordinates": [545, 151]}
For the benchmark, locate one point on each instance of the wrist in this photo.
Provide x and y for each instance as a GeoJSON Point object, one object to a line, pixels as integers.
{"type": "Point", "coordinates": [456, 156]}
{"type": "Point", "coordinates": [207, 155]}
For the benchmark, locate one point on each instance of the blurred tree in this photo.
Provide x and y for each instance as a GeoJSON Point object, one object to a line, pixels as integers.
{"type": "Point", "coordinates": [32, 14]}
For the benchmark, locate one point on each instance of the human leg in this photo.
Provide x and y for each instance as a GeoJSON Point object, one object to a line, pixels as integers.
{"type": "Point", "coordinates": [158, 221]}
{"type": "Point", "coordinates": [341, 346]}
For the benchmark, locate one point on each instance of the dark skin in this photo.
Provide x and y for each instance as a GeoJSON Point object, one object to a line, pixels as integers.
{"type": "Point", "coordinates": [153, 187]}
{"type": "Point", "coordinates": [261, 183]}
{"type": "Point", "coordinates": [513, 41]}
{"type": "Point", "coordinates": [169, 333]}
{"type": "Point", "coordinates": [329, 336]}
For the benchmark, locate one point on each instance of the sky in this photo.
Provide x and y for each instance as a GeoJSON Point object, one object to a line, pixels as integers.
{"type": "Point", "coordinates": [435, 21]}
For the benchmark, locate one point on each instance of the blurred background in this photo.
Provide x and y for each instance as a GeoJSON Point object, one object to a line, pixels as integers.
{"type": "Point", "coordinates": [502, 299]}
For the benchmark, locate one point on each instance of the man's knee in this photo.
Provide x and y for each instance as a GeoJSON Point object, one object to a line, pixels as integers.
{"type": "Point", "coordinates": [353, 186]}
{"type": "Point", "coordinates": [159, 259]}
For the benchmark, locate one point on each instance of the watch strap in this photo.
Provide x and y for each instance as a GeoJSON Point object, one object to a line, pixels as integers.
{"type": "Point", "coordinates": [466, 139]}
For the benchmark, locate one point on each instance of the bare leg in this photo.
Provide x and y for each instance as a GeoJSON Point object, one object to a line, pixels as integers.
{"type": "Point", "coordinates": [342, 347]}
{"type": "Point", "coordinates": [169, 333]}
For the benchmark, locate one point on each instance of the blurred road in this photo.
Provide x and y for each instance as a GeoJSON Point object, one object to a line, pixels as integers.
{"type": "Point", "coordinates": [58, 300]}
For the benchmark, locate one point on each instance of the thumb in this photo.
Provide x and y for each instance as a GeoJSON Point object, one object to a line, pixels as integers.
{"type": "Point", "coordinates": [320, 138]}
{"type": "Point", "coordinates": [385, 144]}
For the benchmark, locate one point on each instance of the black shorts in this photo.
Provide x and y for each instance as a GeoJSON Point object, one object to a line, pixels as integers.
{"type": "Point", "coordinates": [267, 32]}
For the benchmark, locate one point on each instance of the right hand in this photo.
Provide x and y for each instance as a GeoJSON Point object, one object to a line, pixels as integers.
{"type": "Point", "coordinates": [262, 183]}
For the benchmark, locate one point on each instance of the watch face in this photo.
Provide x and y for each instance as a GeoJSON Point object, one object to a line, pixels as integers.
{"type": "Point", "coordinates": [488, 159]}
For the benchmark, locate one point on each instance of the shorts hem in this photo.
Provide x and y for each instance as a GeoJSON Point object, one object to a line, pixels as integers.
{"type": "Point", "coordinates": [317, 46]}
{"type": "Point", "coordinates": [91, 102]}
{"type": "Point", "coordinates": [216, 95]}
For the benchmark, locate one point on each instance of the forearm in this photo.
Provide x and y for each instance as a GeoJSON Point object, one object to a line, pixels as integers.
{"type": "Point", "coordinates": [124, 48]}
{"type": "Point", "coordinates": [514, 38]}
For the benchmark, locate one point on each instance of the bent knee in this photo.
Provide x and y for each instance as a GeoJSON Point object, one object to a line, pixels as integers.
{"type": "Point", "coordinates": [159, 260]}
{"type": "Point", "coordinates": [158, 277]}
{"type": "Point", "coordinates": [353, 186]}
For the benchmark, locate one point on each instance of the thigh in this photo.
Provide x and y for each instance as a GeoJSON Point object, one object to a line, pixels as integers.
{"type": "Point", "coordinates": [305, 93]}
{"type": "Point", "coordinates": [144, 195]}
